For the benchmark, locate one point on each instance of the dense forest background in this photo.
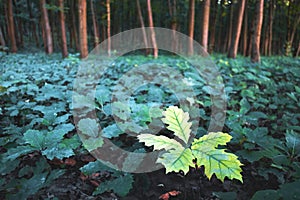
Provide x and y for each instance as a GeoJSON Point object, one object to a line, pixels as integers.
{"type": "Point", "coordinates": [247, 27]}
{"type": "Point", "coordinates": [48, 149]}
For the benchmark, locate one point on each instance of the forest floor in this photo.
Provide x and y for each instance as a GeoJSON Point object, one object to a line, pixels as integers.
{"type": "Point", "coordinates": [42, 157]}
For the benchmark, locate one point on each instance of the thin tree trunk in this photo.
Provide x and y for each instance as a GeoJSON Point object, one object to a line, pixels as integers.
{"type": "Point", "coordinates": [142, 25]}
{"type": "Point", "coordinates": [47, 29]}
{"type": "Point", "coordinates": [255, 53]}
{"type": "Point", "coordinates": [152, 32]}
{"type": "Point", "coordinates": [95, 25]}
{"type": "Point", "coordinates": [173, 15]}
{"type": "Point", "coordinates": [235, 42]}
{"type": "Point", "coordinates": [229, 33]}
{"type": "Point", "coordinates": [11, 26]}
{"type": "Point", "coordinates": [108, 27]}
{"type": "Point", "coordinates": [212, 36]}
{"type": "Point", "coordinates": [82, 28]}
{"type": "Point", "coordinates": [63, 29]}
{"type": "Point", "coordinates": [221, 28]}
{"type": "Point", "coordinates": [2, 41]}
{"type": "Point", "coordinates": [19, 33]}
{"type": "Point", "coordinates": [292, 35]}
{"type": "Point", "coordinates": [271, 20]}
{"type": "Point", "coordinates": [33, 25]}
{"type": "Point", "coordinates": [245, 30]}
{"type": "Point", "coordinates": [205, 25]}
{"type": "Point", "coordinates": [298, 50]}
{"type": "Point", "coordinates": [191, 26]}
{"type": "Point", "coordinates": [74, 27]}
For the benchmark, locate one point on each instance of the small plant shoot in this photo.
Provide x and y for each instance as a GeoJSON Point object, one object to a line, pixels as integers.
{"type": "Point", "coordinates": [178, 154]}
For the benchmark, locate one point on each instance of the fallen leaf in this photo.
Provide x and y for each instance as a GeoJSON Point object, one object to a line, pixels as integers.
{"type": "Point", "coordinates": [167, 195]}
{"type": "Point", "coordinates": [70, 161]}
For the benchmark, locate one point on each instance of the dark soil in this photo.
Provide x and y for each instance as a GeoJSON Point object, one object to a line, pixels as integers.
{"type": "Point", "coordinates": [151, 186]}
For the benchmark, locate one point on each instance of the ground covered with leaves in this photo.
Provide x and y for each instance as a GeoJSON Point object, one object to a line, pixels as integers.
{"type": "Point", "coordinates": [42, 156]}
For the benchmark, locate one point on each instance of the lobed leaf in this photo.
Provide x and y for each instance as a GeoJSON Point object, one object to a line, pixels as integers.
{"type": "Point", "coordinates": [159, 142]}
{"type": "Point", "coordinates": [178, 122]}
{"type": "Point", "coordinates": [211, 140]}
{"type": "Point", "coordinates": [177, 160]}
{"type": "Point", "coordinates": [218, 162]}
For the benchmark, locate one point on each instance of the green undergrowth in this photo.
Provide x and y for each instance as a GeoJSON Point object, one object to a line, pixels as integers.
{"type": "Point", "coordinates": [263, 113]}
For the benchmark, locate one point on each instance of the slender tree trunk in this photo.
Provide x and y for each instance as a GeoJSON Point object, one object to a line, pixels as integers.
{"type": "Point", "coordinates": [270, 33]}
{"type": "Point", "coordinates": [47, 29]}
{"type": "Point", "coordinates": [2, 41]}
{"type": "Point", "coordinates": [19, 24]}
{"type": "Point", "coordinates": [82, 29]}
{"type": "Point", "coordinates": [229, 33]}
{"type": "Point", "coordinates": [74, 26]}
{"type": "Point", "coordinates": [221, 29]}
{"type": "Point", "coordinates": [298, 50]}
{"type": "Point", "coordinates": [205, 25]}
{"type": "Point", "coordinates": [235, 42]}
{"type": "Point", "coordinates": [11, 26]}
{"type": "Point", "coordinates": [191, 26]}
{"type": "Point", "coordinates": [245, 30]}
{"type": "Point", "coordinates": [63, 29]}
{"type": "Point", "coordinates": [213, 27]}
{"type": "Point", "coordinates": [292, 35]}
{"type": "Point", "coordinates": [152, 32]}
{"type": "Point", "coordinates": [142, 25]}
{"type": "Point", "coordinates": [95, 25]}
{"type": "Point", "coordinates": [255, 53]}
{"type": "Point", "coordinates": [33, 25]}
{"type": "Point", "coordinates": [173, 13]}
{"type": "Point", "coordinates": [108, 27]}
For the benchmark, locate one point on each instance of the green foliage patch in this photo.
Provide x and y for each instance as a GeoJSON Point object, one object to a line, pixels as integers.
{"type": "Point", "coordinates": [36, 121]}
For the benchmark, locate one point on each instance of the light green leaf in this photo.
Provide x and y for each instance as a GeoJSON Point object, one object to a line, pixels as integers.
{"type": "Point", "coordinates": [178, 122]}
{"type": "Point", "coordinates": [218, 162]}
{"type": "Point", "coordinates": [211, 140]}
{"type": "Point", "coordinates": [93, 143]}
{"type": "Point", "coordinates": [159, 142]}
{"type": "Point", "coordinates": [89, 127]}
{"type": "Point", "coordinates": [177, 160]}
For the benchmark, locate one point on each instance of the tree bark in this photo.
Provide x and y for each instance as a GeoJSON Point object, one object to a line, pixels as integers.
{"type": "Point", "coordinates": [74, 27]}
{"type": "Point", "coordinates": [205, 25]}
{"type": "Point", "coordinates": [191, 26]}
{"type": "Point", "coordinates": [212, 36]}
{"type": "Point", "coordinates": [270, 32]}
{"type": "Point", "coordinates": [255, 53]}
{"type": "Point", "coordinates": [298, 50]}
{"type": "Point", "coordinates": [95, 25]}
{"type": "Point", "coordinates": [142, 25]}
{"type": "Point", "coordinates": [34, 33]}
{"type": "Point", "coordinates": [47, 29]}
{"type": "Point", "coordinates": [82, 29]}
{"type": "Point", "coordinates": [235, 41]}
{"type": "Point", "coordinates": [11, 26]}
{"type": "Point", "coordinates": [108, 27]}
{"type": "Point", "coordinates": [173, 14]}
{"type": "Point", "coordinates": [63, 29]}
{"type": "Point", "coordinates": [245, 30]}
{"type": "Point", "coordinates": [152, 32]}
{"type": "Point", "coordinates": [229, 33]}
{"type": "Point", "coordinates": [2, 41]}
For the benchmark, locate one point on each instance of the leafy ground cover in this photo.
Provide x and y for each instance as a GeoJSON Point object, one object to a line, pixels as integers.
{"type": "Point", "coordinates": [42, 156]}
